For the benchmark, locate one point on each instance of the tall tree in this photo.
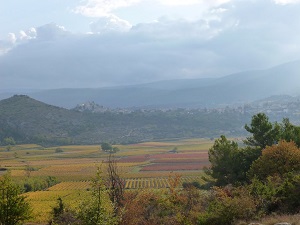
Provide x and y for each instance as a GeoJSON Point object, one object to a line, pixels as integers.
{"type": "Point", "coordinates": [290, 132]}
{"type": "Point", "coordinates": [264, 133]}
{"type": "Point", "coordinates": [98, 209]}
{"type": "Point", "coordinates": [221, 159]}
{"type": "Point", "coordinates": [229, 163]}
{"type": "Point", "coordinates": [14, 209]}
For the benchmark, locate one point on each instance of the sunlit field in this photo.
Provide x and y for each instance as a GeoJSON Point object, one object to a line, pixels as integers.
{"type": "Point", "coordinates": [143, 165]}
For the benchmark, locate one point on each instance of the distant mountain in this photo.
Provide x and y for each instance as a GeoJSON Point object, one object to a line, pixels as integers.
{"type": "Point", "coordinates": [30, 121]}
{"type": "Point", "coordinates": [237, 88]}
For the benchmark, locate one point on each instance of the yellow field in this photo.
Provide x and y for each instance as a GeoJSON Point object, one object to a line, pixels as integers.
{"type": "Point", "coordinates": [42, 202]}
{"type": "Point", "coordinates": [74, 166]}
{"type": "Point", "coordinates": [79, 163]}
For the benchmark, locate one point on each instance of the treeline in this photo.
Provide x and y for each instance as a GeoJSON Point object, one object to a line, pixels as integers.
{"type": "Point", "coordinates": [127, 128]}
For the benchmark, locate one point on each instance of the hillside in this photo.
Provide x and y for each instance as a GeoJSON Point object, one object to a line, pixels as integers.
{"type": "Point", "coordinates": [235, 89]}
{"type": "Point", "coordinates": [31, 121]}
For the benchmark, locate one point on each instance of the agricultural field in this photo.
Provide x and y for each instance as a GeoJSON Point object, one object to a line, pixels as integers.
{"type": "Point", "coordinates": [142, 165]}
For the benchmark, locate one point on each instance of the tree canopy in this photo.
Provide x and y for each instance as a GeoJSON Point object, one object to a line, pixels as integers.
{"type": "Point", "coordinates": [14, 209]}
{"type": "Point", "coordinates": [231, 163]}
{"type": "Point", "coordinates": [264, 133]}
{"type": "Point", "coordinates": [277, 160]}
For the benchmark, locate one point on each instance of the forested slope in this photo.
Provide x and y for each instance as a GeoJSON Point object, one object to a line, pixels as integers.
{"type": "Point", "coordinates": [28, 120]}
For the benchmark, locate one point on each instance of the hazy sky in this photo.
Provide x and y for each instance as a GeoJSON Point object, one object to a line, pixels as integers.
{"type": "Point", "coordinates": [96, 43]}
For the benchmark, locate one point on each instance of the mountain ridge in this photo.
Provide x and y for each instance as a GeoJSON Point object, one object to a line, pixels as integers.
{"type": "Point", "coordinates": [238, 88]}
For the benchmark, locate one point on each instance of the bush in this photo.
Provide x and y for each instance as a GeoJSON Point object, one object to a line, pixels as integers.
{"type": "Point", "coordinates": [58, 150]}
{"type": "Point", "coordinates": [276, 160]}
{"type": "Point", "coordinates": [228, 205]}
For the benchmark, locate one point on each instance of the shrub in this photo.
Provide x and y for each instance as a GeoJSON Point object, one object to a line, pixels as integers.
{"type": "Point", "coordinates": [228, 205]}
{"type": "Point", "coordinates": [276, 160]}
{"type": "Point", "coordinates": [58, 150]}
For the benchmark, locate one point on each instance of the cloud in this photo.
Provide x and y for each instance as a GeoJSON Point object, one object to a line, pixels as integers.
{"type": "Point", "coordinates": [285, 2]}
{"type": "Point", "coordinates": [27, 35]}
{"type": "Point", "coordinates": [102, 8]}
{"type": "Point", "coordinates": [166, 28]}
{"type": "Point", "coordinates": [51, 31]}
{"type": "Point", "coordinates": [230, 38]}
{"type": "Point", "coordinates": [110, 24]}
{"type": "Point", "coordinates": [210, 3]}
{"type": "Point", "coordinates": [7, 43]}
{"type": "Point", "coordinates": [46, 32]}
{"type": "Point", "coordinates": [179, 2]}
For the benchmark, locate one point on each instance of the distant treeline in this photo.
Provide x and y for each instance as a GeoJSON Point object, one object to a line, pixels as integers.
{"type": "Point", "coordinates": [29, 121]}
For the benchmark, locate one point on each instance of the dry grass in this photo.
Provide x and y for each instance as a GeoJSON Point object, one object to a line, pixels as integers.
{"type": "Point", "coordinates": [271, 220]}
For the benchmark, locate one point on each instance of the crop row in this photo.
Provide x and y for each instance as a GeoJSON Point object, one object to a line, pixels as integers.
{"type": "Point", "coordinates": [163, 182]}
{"type": "Point", "coordinates": [130, 183]}
{"type": "Point", "coordinates": [174, 166]}
{"type": "Point", "coordinates": [79, 185]}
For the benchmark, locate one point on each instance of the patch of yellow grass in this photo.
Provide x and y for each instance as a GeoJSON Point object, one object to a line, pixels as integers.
{"type": "Point", "coordinates": [274, 219]}
{"type": "Point", "coordinates": [42, 202]}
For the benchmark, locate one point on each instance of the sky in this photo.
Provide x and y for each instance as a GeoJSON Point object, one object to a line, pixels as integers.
{"type": "Point", "coordinates": [97, 43]}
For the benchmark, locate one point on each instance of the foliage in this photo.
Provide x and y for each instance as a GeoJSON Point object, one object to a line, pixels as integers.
{"type": "Point", "coordinates": [14, 209]}
{"type": "Point", "coordinates": [63, 216]}
{"type": "Point", "coordinates": [172, 206]}
{"type": "Point", "coordinates": [227, 205]}
{"type": "Point", "coordinates": [59, 150]}
{"type": "Point", "coordinates": [289, 194]}
{"type": "Point", "coordinates": [98, 209]}
{"type": "Point", "coordinates": [194, 184]}
{"type": "Point", "coordinates": [221, 159]}
{"type": "Point", "coordinates": [8, 141]}
{"type": "Point", "coordinates": [290, 132]}
{"type": "Point", "coordinates": [264, 133]}
{"type": "Point", "coordinates": [277, 160]}
{"type": "Point", "coordinates": [37, 183]}
{"type": "Point", "coordinates": [265, 193]}
{"type": "Point", "coordinates": [229, 164]}
{"type": "Point", "coordinates": [48, 125]}
{"type": "Point", "coordinates": [107, 147]}
{"type": "Point", "coordinates": [277, 194]}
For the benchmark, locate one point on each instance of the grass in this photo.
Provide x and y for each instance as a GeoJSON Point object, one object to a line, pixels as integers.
{"type": "Point", "coordinates": [274, 219]}
{"type": "Point", "coordinates": [42, 202]}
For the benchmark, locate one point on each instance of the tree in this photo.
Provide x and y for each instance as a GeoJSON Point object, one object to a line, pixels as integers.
{"type": "Point", "coordinates": [106, 147]}
{"type": "Point", "coordinates": [8, 141]}
{"type": "Point", "coordinates": [14, 209]}
{"type": "Point", "coordinates": [98, 209]}
{"type": "Point", "coordinates": [264, 133]}
{"type": "Point", "coordinates": [63, 216]}
{"type": "Point", "coordinates": [229, 163]}
{"type": "Point", "coordinates": [276, 160]}
{"type": "Point", "coordinates": [115, 184]}
{"type": "Point", "coordinates": [221, 159]}
{"type": "Point", "coordinates": [290, 132]}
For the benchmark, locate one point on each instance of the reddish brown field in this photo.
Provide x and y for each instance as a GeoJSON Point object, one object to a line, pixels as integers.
{"type": "Point", "coordinates": [174, 166]}
{"type": "Point", "coordinates": [180, 156]}
{"type": "Point", "coordinates": [134, 159]}
{"type": "Point", "coordinates": [169, 161]}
